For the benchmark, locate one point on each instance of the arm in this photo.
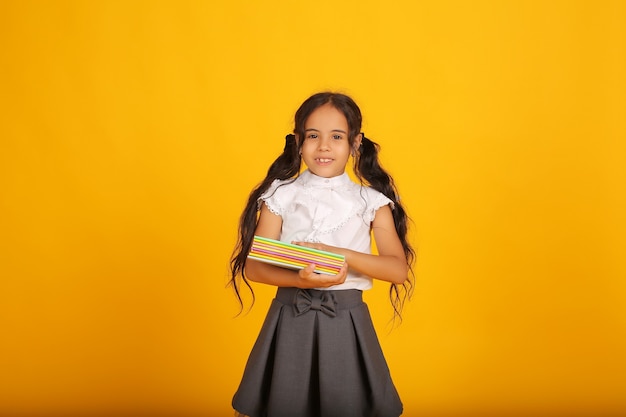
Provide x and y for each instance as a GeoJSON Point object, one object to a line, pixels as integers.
{"type": "Point", "coordinates": [269, 225]}
{"type": "Point", "coordinates": [389, 265]}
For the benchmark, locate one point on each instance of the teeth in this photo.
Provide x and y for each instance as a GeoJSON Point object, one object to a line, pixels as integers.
{"type": "Point", "coordinates": [324, 160]}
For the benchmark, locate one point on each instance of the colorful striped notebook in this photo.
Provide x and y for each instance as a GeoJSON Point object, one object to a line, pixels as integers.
{"type": "Point", "coordinates": [293, 256]}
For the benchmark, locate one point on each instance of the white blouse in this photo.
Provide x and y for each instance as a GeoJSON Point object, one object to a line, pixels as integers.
{"type": "Point", "coordinates": [334, 211]}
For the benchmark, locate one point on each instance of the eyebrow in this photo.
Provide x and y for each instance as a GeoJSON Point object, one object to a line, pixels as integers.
{"type": "Point", "coordinates": [334, 130]}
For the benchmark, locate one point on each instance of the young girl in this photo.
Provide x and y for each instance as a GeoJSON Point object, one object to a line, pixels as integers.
{"type": "Point", "coordinates": [317, 353]}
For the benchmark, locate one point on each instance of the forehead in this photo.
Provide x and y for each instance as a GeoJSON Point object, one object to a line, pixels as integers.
{"type": "Point", "coordinates": [326, 117]}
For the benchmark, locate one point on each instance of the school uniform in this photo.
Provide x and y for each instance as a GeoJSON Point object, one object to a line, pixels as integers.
{"type": "Point", "coordinates": [317, 354]}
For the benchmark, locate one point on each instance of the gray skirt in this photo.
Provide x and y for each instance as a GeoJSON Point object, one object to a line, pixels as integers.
{"type": "Point", "coordinates": [317, 355]}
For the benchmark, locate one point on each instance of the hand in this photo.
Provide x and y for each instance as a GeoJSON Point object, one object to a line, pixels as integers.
{"type": "Point", "coordinates": [318, 246]}
{"type": "Point", "coordinates": [310, 279]}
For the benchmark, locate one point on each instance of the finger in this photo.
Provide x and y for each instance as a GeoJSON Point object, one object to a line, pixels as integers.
{"type": "Point", "coordinates": [343, 270]}
{"type": "Point", "coordinates": [308, 270]}
{"type": "Point", "coordinates": [330, 280]}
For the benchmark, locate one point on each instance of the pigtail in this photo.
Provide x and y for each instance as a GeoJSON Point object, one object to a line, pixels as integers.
{"type": "Point", "coordinates": [368, 168]}
{"type": "Point", "coordinates": [286, 166]}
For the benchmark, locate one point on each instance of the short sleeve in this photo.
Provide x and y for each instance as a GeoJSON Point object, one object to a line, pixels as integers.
{"type": "Point", "coordinates": [271, 198]}
{"type": "Point", "coordinates": [375, 200]}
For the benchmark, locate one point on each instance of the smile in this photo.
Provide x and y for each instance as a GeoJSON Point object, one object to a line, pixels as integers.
{"type": "Point", "coordinates": [323, 160]}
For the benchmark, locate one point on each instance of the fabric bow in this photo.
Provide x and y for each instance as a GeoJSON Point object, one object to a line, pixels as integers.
{"type": "Point", "coordinates": [324, 302]}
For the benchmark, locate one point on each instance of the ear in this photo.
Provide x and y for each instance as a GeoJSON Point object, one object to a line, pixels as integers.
{"type": "Point", "coordinates": [298, 143]}
{"type": "Point", "coordinates": [357, 143]}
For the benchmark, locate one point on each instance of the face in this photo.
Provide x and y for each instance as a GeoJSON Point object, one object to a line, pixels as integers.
{"type": "Point", "coordinates": [325, 146]}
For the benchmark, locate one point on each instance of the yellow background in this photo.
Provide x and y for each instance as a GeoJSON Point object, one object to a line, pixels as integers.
{"type": "Point", "coordinates": [132, 131]}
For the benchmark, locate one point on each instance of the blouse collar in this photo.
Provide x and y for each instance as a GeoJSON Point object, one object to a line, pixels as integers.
{"type": "Point", "coordinates": [311, 180]}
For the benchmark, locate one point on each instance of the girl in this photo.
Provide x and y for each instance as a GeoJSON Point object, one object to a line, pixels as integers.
{"type": "Point", "coordinates": [317, 353]}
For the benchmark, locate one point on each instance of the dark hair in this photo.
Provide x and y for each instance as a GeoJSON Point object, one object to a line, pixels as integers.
{"type": "Point", "coordinates": [367, 169]}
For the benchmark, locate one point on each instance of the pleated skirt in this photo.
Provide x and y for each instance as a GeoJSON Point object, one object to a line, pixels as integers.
{"type": "Point", "coordinates": [317, 355]}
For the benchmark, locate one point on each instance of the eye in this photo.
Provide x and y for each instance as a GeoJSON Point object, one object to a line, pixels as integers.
{"type": "Point", "coordinates": [337, 137]}
{"type": "Point", "coordinates": [311, 136]}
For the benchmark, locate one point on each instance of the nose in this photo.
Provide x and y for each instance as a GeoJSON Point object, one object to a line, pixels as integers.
{"type": "Point", "coordinates": [324, 144]}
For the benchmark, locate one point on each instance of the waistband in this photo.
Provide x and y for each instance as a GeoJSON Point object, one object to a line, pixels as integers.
{"type": "Point", "coordinates": [344, 299]}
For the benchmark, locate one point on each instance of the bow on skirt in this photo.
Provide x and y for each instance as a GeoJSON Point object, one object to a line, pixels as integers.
{"type": "Point", "coordinates": [323, 301]}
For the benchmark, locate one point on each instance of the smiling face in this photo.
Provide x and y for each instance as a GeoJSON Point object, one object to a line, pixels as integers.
{"type": "Point", "coordinates": [325, 145]}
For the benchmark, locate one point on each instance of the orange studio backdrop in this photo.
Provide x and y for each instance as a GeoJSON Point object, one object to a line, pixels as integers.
{"type": "Point", "coordinates": [131, 133]}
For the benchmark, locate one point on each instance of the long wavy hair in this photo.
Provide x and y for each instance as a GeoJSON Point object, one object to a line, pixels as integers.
{"type": "Point", "coordinates": [367, 169]}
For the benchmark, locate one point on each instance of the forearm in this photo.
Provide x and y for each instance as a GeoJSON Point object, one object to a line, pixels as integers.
{"type": "Point", "coordinates": [388, 268]}
{"type": "Point", "coordinates": [282, 277]}
{"type": "Point", "coordinates": [270, 274]}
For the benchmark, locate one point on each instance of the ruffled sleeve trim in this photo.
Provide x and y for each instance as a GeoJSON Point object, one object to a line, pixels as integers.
{"type": "Point", "coordinates": [271, 199]}
{"type": "Point", "coordinates": [376, 201]}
